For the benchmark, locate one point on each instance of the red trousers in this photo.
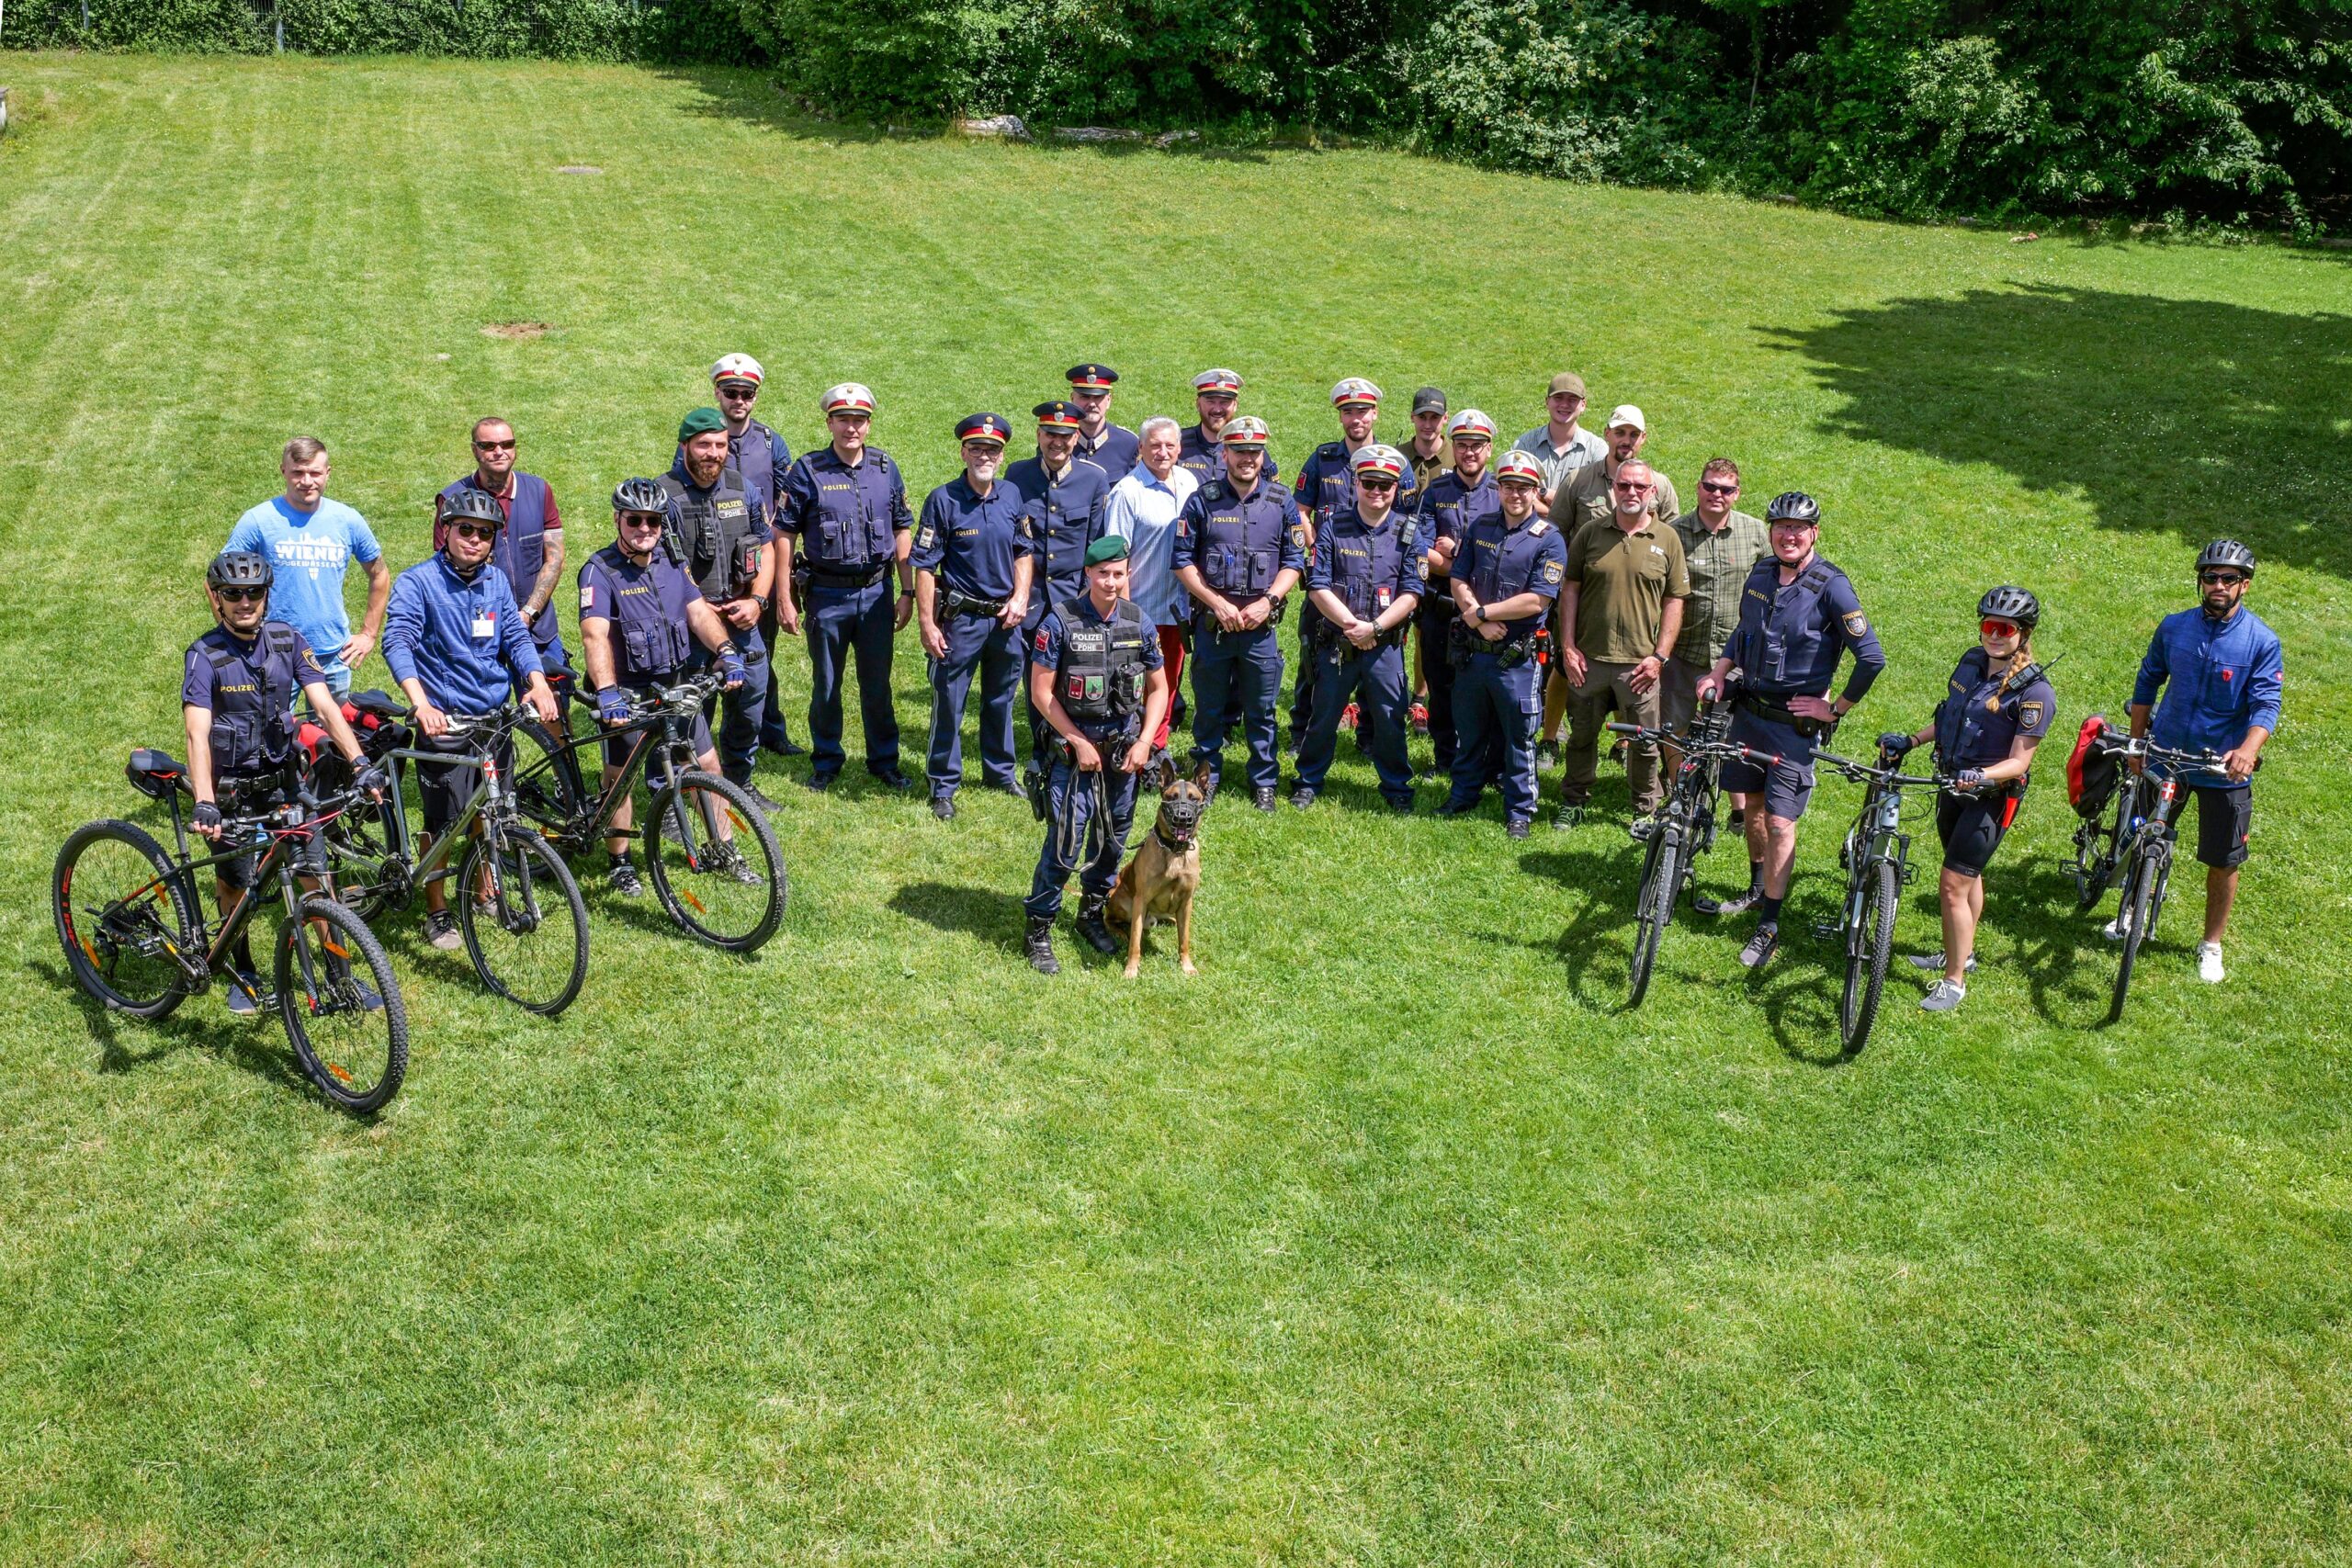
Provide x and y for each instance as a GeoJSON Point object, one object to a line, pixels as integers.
{"type": "Point", "coordinates": [1171, 650]}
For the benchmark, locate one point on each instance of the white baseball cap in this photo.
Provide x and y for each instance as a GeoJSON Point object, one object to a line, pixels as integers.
{"type": "Point", "coordinates": [1626, 413]}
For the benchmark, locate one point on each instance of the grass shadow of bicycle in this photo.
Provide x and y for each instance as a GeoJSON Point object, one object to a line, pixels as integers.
{"type": "Point", "coordinates": [242, 1041]}
{"type": "Point", "coordinates": [1602, 926]}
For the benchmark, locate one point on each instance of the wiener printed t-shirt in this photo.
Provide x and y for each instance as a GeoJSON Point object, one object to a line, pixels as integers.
{"type": "Point", "coordinates": [309, 552]}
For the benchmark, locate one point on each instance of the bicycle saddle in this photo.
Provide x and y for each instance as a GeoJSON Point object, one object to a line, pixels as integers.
{"type": "Point", "coordinates": [155, 773]}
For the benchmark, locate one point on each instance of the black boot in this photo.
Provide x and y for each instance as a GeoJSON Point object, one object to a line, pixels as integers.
{"type": "Point", "coordinates": [1090, 923]}
{"type": "Point", "coordinates": [1039, 945]}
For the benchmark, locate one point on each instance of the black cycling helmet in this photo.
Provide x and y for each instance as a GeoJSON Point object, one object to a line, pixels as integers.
{"type": "Point", "coordinates": [475, 505]}
{"type": "Point", "coordinates": [2006, 603]}
{"type": "Point", "coordinates": [2226, 552]}
{"type": "Point", "coordinates": [640, 495]}
{"type": "Point", "coordinates": [239, 568]}
{"type": "Point", "coordinates": [1793, 506]}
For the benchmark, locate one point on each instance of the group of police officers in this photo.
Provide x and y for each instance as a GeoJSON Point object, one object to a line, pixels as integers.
{"type": "Point", "coordinates": [1014, 568]}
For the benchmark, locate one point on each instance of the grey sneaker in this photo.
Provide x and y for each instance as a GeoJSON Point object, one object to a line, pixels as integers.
{"type": "Point", "coordinates": [1761, 947]}
{"type": "Point", "coordinates": [441, 930]}
{"type": "Point", "coordinates": [1943, 996]}
{"type": "Point", "coordinates": [1935, 961]}
{"type": "Point", "coordinates": [623, 879]}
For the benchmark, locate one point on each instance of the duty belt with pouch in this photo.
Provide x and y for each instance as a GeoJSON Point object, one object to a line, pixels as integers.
{"type": "Point", "coordinates": [959, 602]}
{"type": "Point", "coordinates": [1275, 609]}
{"type": "Point", "coordinates": [1461, 642]}
{"type": "Point", "coordinates": [855, 576]}
{"type": "Point", "coordinates": [1811, 729]}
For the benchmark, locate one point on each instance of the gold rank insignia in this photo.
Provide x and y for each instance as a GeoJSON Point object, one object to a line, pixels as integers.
{"type": "Point", "coordinates": [1993, 705]}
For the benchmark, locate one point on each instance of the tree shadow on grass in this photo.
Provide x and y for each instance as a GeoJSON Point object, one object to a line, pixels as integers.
{"type": "Point", "coordinates": [127, 1043]}
{"type": "Point", "coordinates": [1602, 925]}
{"type": "Point", "coordinates": [2186, 417]}
{"type": "Point", "coordinates": [994, 915]}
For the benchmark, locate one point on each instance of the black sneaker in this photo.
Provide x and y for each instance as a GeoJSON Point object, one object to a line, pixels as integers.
{"type": "Point", "coordinates": [1568, 817]}
{"type": "Point", "coordinates": [1518, 827]}
{"type": "Point", "coordinates": [890, 777]}
{"type": "Point", "coordinates": [1038, 943]}
{"type": "Point", "coordinates": [1737, 904]}
{"type": "Point", "coordinates": [1263, 798]}
{"type": "Point", "coordinates": [623, 879]}
{"type": "Point", "coordinates": [1302, 797]}
{"type": "Point", "coordinates": [1761, 947]}
{"type": "Point", "coordinates": [943, 807]}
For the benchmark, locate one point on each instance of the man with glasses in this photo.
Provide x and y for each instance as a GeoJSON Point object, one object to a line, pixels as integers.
{"type": "Point", "coordinates": [1326, 487]}
{"type": "Point", "coordinates": [763, 458]}
{"type": "Point", "coordinates": [1451, 503]}
{"type": "Point", "coordinates": [719, 532]}
{"type": "Point", "coordinates": [1108, 447]}
{"type": "Point", "coordinates": [972, 560]}
{"type": "Point", "coordinates": [1561, 446]}
{"type": "Point", "coordinates": [309, 542]}
{"type": "Point", "coordinates": [529, 549]}
{"type": "Point", "coordinates": [1621, 612]}
{"type": "Point", "coordinates": [1366, 580]}
{"type": "Point", "coordinates": [1798, 614]}
{"type": "Point", "coordinates": [1588, 498]}
{"type": "Point", "coordinates": [2222, 670]}
{"type": "Point", "coordinates": [1721, 544]}
{"type": "Point", "coordinates": [846, 515]}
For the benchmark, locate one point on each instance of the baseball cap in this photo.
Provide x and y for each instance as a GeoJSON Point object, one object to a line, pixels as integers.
{"type": "Point", "coordinates": [1430, 400]}
{"type": "Point", "coordinates": [1626, 413]}
{"type": "Point", "coordinates": [1567, 382]}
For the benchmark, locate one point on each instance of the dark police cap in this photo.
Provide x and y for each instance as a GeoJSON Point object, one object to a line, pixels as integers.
{"type": "Point", "coordinates": [1057, 413]}
{"type": "Point", "coordinates": [984, 427]}
{"type": "Point", "coordinates": [702, 422]}
{"type": "Point", "coordinates": [1090, 376]}
{"type": "Point", "coordinates": [1429, 399]}
{"type": "Point", "coordinates": [1109, 547]}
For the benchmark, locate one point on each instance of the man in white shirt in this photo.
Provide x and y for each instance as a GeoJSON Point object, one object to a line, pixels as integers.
{"type": "Point", "coordinates": [1142, 510]}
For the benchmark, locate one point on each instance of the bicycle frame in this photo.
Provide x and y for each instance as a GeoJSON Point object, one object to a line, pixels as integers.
{"type": "Point", "coordinates": [277, 857]}
{"type": "Point", "coordinates": [657, 730]}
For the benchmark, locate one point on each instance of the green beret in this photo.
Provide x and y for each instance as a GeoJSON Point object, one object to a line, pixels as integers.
{"type": "Point", "coordinates": [1110, 546]}
{"type": "Point", "coordinates": [702, 422]}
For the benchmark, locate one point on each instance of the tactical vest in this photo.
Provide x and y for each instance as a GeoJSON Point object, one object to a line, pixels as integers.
{"type": "Point", "coordinates": [1103, 667]}
{"type": "Point", "coordinates": [1963, 719]}
{"type": "Point", "coordinates": [1760, 648]}
{"type": "Point", "coordinates": [242, 739]}
{"type": "Point", "coordinates": [752, 455]}
{"type": "Point", "coordinates": [653, 644]}
{"type": "Point", "coordinates": [1239, 555]}
{"type": "Point", "coordinates": [1365, 564]}
{"type": "Point", "coordinates": [710, 534]}
{"type": "Point", "coordinates": [848, 535]}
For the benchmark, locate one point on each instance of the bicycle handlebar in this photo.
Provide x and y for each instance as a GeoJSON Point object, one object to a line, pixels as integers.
{"type": "Point", "coordinates": [2140, 747]}
{"type": "Point", "coordinates": [1859, 771]}
{"type": "Point", "coordinates": [1691, 746]}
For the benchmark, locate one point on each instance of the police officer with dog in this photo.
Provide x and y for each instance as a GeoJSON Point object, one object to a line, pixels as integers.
{"type": "Point", "coordinates": [1063, 497]}
{"type": "Point", "coordinates": [1798, 615]}
{"type": "Point", "coordinates": [1097, 677]}
{"type": "Point", "coordinates": [973, 561]}
{"type": "Point", "coordinates": [1240, 548]}
{"type": "Point", "coordinates": [1505, 572]}
{"type": "Point", "coordinates": [1998, 706]}
{"type": "Point", "coordinates": [1366, 580]}
{"type": "Point", "coordinates": [237, 687]}
{"type": "Point", "coordinates": [720, 532]}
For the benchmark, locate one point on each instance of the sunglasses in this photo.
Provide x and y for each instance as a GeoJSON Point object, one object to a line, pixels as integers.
{"type": "Point", "coordinates": [745, 393]}
{"type": "Point", "coordinates": [505, 445]}
{"type": "Point", "coordinates": [2225, 578]}
{"type": "Point", "coordinates": [1368, 483]}
{"type": "Point", "coordinates": [1712, 488]}
{"type": "Point", "coordinates": [642, 520]}
{"type": "Point", "coordinates": [1998, 629]}
{"type": "Point", "coordinates": [1630, 487]}
{"type": "Point", "coordinates": [243, 595]}
{"type": "Point", "coordinates": [473, 530]}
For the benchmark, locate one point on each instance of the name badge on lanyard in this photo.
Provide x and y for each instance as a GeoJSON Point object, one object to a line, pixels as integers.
{"type": "Point", "coordinates": [485, 623]}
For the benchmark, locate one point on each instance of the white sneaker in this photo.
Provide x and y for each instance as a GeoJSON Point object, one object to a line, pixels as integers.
{"type": "Point", "coordinates": [1943, 996]}
{"type": "Point", "coordinates": [2209, 963]}
{"type": "Point", "coordinates": [2114, 929]}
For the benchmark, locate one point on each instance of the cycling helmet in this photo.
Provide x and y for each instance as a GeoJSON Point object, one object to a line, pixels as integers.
{"type": "Point", "coordinates": [640, 495]}
{"type": "Point", "coordinates": [1793, 506]}
{"type": "Point", "coordinates": [2006, 603]}
{"type": "Point", "coordinates": [2226, 552]}
{"type": "Point", "coordinates": [238, 568]}
{"type": "Point", "coordinates": [475, 505]}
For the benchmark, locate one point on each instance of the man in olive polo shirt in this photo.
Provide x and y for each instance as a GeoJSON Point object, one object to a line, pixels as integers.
{"type": "Point", "coordinates": [1625, 585]}
{"type": "Point", "coordinates": [1588, 496]}
{"type": "Point", "coordinates": [1560, 446]}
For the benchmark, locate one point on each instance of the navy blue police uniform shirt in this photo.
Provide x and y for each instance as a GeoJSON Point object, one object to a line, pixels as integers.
{"type": "Point", "coordinates": [970, 540]}
{"type": "Point", "coordinates": [1239, 543]}
{"type": "Point", "coordinates": [1448, 506]}
{"type": "Point", "coordinates": [647, 606]}
{"type": "Point", "coordinates": [233, 678]}
{"type": "Point", "coordinates": [1789, 638]}
{"type": "Point", "coordinates": [1204, 459]}
{"type": "Point", "coordinates": [1501, 562]}
{"type": "Point", "coordinates": [1065, 515]}
{"type": "Point", "coordinates": [1327, 486]}
{"type": "Point", "coordinates": [1045, 648]}
{"type": "Point", "coordinates": [1370, 569]}
{"type": "Point", "coordinates": [845, 517]}
{"type": "Point", "coordinates": [1116, 451]}
{"type": "Point", "coordinates": [1977, 723]}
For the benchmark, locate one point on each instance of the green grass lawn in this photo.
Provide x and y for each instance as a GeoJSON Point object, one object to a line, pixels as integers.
{"type": "Point", "coordinates": [1388, 1239]}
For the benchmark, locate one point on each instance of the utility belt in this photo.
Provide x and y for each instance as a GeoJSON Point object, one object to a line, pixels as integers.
{"type": "Point", "coordinates": [1324, 633]}
{"type": "Point", "coordinates": [1060, 749]}
{"type": "Point", "coordinates": [1811, 729]}
{"type": "Point", "coordinates": [955, 601]}
{"type": "Point", "coordinates": [1279, 608]}
{"type": "Point", "coordinates": [1461, 644]}
{"type": "Point", "coordinates": [847, 576]}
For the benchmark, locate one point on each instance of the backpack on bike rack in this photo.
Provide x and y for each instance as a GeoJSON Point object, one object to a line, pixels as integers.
{"type": "Point", "coordinates": [2092, 771]}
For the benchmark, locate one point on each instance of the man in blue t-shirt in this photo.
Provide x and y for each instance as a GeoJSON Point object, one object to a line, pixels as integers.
{"type": "Point", "coordinates": [310, 541]}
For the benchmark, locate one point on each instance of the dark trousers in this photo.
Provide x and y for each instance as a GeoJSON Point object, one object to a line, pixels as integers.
{"type": "Point", "coordinates": [1379, 673]}
{"type": "Point", "coordinates": [976, 645]}
{"type": "Point", "coordinates": [1065, 825]}
{"type": "Point", "coordinates": [1490, 704]}
{"type": "Point", "coordinates": [1237, 674]}
{"type": "Point", "coordinates": [774, 729]}
{"type": "Point", "coordinates": [842, 622]}
{"type": "Point", "coordinates": [739, 731]}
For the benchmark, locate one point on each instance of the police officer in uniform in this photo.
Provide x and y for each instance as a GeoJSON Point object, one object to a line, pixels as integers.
{"type": "Point", "coordinates": [972, 560]}
{"type": "Point", "coordinates": [1096, 675]}
{"type": "Point", "coordinates": [530, 547]}
{"type": "Point", "coordinates": [720, 532]}
{"type": "Point", "coordinates": [1996, 708]}
{"type": "Point", "coordinates": [1797, 614]}
{"type": "Point", "coordinates": [1113, 448]}
{"type": "Point", "coordinates": [1366, 580]}
{"type": "Point", "coordinates": [1201, 447]}
{"type": "Point", "coordinates": [1449, 503]}
{"type": "Point", "coordinates": [237, 686]}
{"type": "Point", "coordinates": [1325, 485]}
{"type": "Point", "coordinates": [845, 517]}
{"type": "Point", "coordinates": [1505, 571]}
{"type": "Point", "coordinates": [762, 457]}
{"type": "Point", "coordinates": [1062, 501]}
{"type": "Point", "coordinates": [1240, 548]}
{"type": "Point", "coordinates": [640, 618]}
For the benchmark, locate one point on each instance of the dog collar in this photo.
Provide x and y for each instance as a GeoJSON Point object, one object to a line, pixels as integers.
{"type": "Point", "coordinates": [1179, 845]}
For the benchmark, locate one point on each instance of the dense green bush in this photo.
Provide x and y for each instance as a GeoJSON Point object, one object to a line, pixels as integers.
{"type": "Point", "coordinates": [660, 30]}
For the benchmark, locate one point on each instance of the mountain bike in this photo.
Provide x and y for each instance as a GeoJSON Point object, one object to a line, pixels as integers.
{"type": "Point", "coordinates": [1876, 858]}
{"type": "Point", "coordinates": [130, 919]}
{"type": "Point", "coordinates": [519, 909]}
{"type": "Point", "coordinates": [709, 852]}
{"type": "Point", "coordinates": [2135, 839]}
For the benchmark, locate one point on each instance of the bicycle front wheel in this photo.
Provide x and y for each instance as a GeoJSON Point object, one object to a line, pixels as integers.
{"type": "Point", "coordinates": [715, 863]}
{"type": "Point", "coordinates": [524, 924]}
{"type": "Point", "coordinates": [341, 1006]}
{"type": "Point", "coordinates": [547, 787]}
{"type": "Point", "coordinates": [1866, 954]}
{"type": "Point", "coordinates": [2139, 896]}
{"type": "Point", "coordinates": [121, 908]}
{"type": "Point", "coordinates": [1661, 879]}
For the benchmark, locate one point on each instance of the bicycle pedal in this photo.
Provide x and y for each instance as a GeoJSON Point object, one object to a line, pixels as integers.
{"type": "Point", "coordinates": [1824, 930]}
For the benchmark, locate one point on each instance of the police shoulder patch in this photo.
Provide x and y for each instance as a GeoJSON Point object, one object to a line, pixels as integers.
{"type": "Point", "coordinates": [924, 538]}
{"type": "Point", "coordinates": [2030, 713]}
{"type": "Point", "coordinates": [1536, 529]}
{"type": "Point", "coordinates": [1554, 572]}
{"type": "Point", "coordinates": [1045, 640]}
{"type": "Point", "coordinates": [1298, 535]}
{"type": "Point", "coordinates": [1855, 624]}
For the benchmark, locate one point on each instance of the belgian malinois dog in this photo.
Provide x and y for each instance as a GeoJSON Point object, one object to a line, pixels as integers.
{"type": "Point", "coordinates": [1159, 882]}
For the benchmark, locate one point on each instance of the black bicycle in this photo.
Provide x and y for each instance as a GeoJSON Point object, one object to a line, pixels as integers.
{"type": "Point", "coordinates": [1876, 858]}
{"type": "Point", "coordinates": [710, 852]}
{"type": "Point", "coordinates": [2135, 838]}
{"type": "Point", "coordinates": [130, 919]}
{"type": "Point", "coordinates": [1684, 828]}
{"type": "Point", "coordinates": [519, 908]}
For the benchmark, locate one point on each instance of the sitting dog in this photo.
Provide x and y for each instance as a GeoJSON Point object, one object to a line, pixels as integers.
{"type": "Point", "coordinates": [1159, 882]}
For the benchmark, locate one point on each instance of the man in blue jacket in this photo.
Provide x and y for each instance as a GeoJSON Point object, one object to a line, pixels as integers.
{"type": "Point", "coordinates": [456, 642]}
{"type": "Point", "coordinates": [2222, 670]}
